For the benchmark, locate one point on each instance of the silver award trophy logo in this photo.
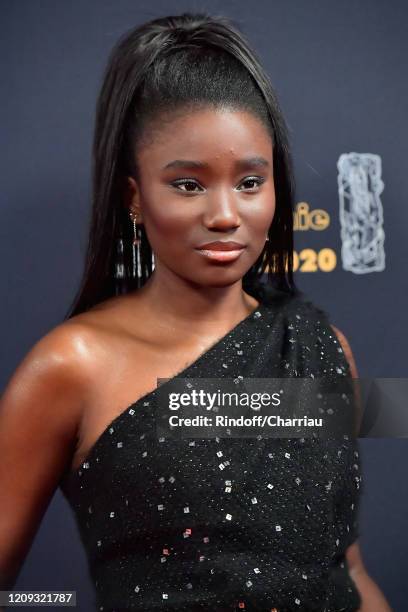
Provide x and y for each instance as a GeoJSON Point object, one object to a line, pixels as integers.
{"type": "Point", "coordinates": [361, 212]}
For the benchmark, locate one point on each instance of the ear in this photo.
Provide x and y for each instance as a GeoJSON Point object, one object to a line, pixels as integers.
{"type": "Point", "coordinates": [132, 197]}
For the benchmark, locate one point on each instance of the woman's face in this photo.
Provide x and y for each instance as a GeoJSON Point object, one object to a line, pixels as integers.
{"type": "Point", "coordinates": [203, 177]}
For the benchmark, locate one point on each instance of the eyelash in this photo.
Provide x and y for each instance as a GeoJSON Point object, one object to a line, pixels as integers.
{"type": "Point", "coordinates": [252, 179]}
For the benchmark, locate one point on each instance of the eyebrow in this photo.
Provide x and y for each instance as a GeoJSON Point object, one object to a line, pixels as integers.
{"type": "Point", "coordinates": [252, 162]}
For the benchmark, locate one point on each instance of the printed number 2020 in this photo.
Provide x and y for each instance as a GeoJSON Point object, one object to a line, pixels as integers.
{"type": "Point", "coordinates": [309, 260]}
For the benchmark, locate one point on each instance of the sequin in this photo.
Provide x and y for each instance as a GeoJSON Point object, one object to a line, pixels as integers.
{"type": "Point", "coordinates": [225, 524]}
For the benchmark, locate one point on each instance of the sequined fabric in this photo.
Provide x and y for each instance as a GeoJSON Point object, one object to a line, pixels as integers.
{"type": "Point", "coordinates": [165, 527]}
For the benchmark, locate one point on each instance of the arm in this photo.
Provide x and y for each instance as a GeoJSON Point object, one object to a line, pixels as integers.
{"type": "Point", "coordinates": [372, 598]}
{"type": "Point", "coordinates": [40, 411]}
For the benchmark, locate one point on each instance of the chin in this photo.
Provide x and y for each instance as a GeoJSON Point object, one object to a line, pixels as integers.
{"type": "Point", "coordinates": [218, 278]}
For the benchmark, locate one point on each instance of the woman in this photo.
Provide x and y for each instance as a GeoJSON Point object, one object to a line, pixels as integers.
{"type": "Point", "coordinates": [193, 205]}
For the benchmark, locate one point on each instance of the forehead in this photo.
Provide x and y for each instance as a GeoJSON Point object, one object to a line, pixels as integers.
{"type": "Point", "coordinates": [205, 133]}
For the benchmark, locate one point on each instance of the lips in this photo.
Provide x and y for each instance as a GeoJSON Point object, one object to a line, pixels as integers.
{"type": "Point", "coordinates": [221, 251]}
{"type": "Point", "coordinates": [218, 245]}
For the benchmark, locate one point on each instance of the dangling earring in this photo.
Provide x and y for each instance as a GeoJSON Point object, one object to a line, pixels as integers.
{"type": "Point", "coordinates": [136, 248]}
{"type": "Point", "coordinates": [119, 273]}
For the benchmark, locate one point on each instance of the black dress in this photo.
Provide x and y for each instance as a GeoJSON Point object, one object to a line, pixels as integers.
{"type": "Point", "coordinates": [166, 528]}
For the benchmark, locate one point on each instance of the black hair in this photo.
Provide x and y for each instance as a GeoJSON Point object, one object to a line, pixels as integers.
{"type": "Point", "coordinates": [165, 66]}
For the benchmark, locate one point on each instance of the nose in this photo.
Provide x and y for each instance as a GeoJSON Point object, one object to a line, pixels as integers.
{"type": "Point", "coordinates": [221, 212]}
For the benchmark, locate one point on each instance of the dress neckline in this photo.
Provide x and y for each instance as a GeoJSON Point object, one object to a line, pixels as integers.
{"type": "Point", "coordinates": [253, 315]}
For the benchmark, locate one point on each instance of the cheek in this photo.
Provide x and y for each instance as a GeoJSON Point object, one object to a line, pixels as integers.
{"type": "Point", "coordinates": [270, 204]}
{"type": "Point", "coordinates": [259, 217]}
{"type": "Point", "coordinates": [168, 224]}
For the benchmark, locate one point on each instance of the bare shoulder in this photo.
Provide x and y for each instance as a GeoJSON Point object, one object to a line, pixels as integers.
{"type": "Point", "coordinates": [345, 345]}
{"type": "Point", "coordinates": [57, 373]}
{"type": "Point", "coordinates": [50, 382]}
{"type": "Point", "coordinates": [69, 357]}
{"type": "Point", "coordinates": [62, 353]}
{"type": "Point", "coordinates": [71, 352]}
{"type": "Point", "coordinates": [74, 342]}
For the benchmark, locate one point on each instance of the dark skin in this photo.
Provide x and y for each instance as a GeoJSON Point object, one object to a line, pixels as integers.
{"type": "Point", "coordinates": [203, 299]}
{"type": "Point", "coordinates": [89, 369]}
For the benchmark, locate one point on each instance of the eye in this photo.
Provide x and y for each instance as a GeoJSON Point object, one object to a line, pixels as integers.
{"type": "Point", "coordinates": [190, 184]}
{"type": "Point", "coordinates": [185, 182]}
{"type": "Point", "coordinates": [258, 180]}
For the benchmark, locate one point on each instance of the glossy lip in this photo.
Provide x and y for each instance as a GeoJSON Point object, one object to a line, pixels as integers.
{"type": "Point", "coordinates": [221, 255]}
{"type": "Point", "coordinates": [221, 245]}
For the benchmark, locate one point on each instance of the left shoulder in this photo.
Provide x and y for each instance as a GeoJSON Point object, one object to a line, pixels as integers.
{"type": "Point", "coordinates": [345, 345]}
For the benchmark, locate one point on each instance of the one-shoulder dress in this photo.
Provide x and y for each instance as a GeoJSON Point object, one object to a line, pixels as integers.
{"type": "Point", "coordinates": [165, 528]}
